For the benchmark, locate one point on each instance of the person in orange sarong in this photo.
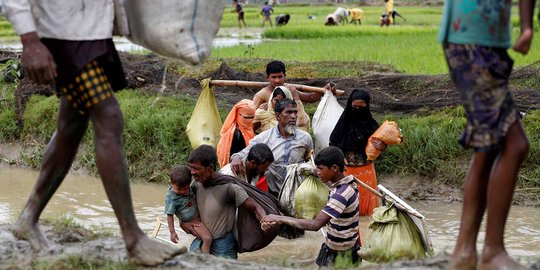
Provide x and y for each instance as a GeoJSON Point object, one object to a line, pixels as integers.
{"type": "Point", "coordinates": [351, 135]}
{"type": "Point", "coordinates": [237, 131]}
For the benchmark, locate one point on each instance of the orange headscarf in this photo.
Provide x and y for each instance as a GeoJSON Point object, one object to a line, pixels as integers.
{"type": "Point", "coordinates": [235, 119]}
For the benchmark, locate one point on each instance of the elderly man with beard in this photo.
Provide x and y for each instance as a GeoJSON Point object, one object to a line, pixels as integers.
{"type": "Point", "coordinates": [288, 143]}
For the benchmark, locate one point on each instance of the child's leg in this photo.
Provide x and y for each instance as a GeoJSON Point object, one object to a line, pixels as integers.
{"type": "Point", "coordinates": [500, 190]}
{"type": "Point", "coordinates": [204, 234]}
{"type": "Point", "coordinates": [474, 205]}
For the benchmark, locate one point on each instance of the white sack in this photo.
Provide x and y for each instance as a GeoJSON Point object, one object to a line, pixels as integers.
{"type": "Point", "coordinates": [325, 119]}
{"type": "Point", "coordinates": [181, 29]}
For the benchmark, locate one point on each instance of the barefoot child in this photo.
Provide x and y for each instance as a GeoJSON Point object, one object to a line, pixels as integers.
{"type": "Point", "coordinates": [180, 201]}
{"type": "Point", "coordinates": [340, 215]}
{"type": "Point", "coordinates": [475, 36]}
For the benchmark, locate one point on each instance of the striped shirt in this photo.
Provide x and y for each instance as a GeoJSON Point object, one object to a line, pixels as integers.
{"type": "Point", "coordinates": [342, 207]}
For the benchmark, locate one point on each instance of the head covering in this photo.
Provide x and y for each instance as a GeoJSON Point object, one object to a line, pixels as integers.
{"type": "Point", "coordinates": [235, 120]}
{"type": "Point", "coordinates": [355, 125]}
{"type": "Point", "coordinates": [267, 117]}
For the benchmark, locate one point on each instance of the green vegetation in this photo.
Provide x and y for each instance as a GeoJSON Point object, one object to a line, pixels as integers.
{"type": "Point", "coordinates": [155, 139]}
{"type": "Point", "coordinates": [410, 46]}
{"type": "Point", "coordinates": [155, 125]}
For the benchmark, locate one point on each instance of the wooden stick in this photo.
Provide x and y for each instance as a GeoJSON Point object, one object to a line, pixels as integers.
{"type": "Point", "coordinates": [264, 84]}
{"type": "Point", "coordinates": [397, 204]}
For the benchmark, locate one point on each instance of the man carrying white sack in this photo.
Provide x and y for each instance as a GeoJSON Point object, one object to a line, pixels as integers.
{"type": "Point", "coordinates": [68, 44]}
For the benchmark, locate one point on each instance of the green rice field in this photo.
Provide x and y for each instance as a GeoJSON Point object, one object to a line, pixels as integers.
{"type": "Point", "coordinates": [410, 46]}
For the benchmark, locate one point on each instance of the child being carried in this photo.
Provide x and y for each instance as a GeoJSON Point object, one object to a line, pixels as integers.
{"type": "Point", "coordinates": [180, 201]}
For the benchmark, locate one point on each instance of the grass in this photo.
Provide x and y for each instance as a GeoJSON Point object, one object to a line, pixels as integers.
{"type": "Point", "coordinates": [155, 139]}
{"type": "Point", "coordinates": [155, 125]}
{"type": "Point", "coordinates": [410, 47]}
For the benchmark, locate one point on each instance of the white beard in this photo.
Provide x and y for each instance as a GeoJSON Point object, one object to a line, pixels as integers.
{"type": "Point", "coordinates": [290, 129]}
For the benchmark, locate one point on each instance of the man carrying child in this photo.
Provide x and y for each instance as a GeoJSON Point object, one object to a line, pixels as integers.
{"type": "Point", "coordinates": [180, 201]}
{"type": "Point", "coordinates": [218, 197]}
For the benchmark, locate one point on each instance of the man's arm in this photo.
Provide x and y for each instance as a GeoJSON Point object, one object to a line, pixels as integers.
{"type": "Point", "coordinates": [252, 205]}
{"type": "Point", "coordinates": [312, 97]}
{"type": "Point", "coordinates": [38, 63]}
{"type": "Point", "coordinates": [259, 97]}
{"type": "Point", "coordinates": [526, 10]}
{"type": "Point", "coordinates": [305, 224]}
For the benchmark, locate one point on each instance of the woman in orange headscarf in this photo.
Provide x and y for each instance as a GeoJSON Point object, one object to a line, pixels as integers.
{"type": "Point", "coordinates": [237, 131]}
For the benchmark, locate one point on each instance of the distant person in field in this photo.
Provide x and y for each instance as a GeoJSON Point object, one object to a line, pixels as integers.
{"type": "Point", "coordinates": [282, 19]}
{"type": "Point", "coordinates": [356, 15]}
{"type": "Point", "coordinates": [266, 11]}
{"type": "Point", "coordinates": [389, 15]}
{"type": "Point", "coordinates": [240, 12]}
{"type": "Point", "coordinates": [475, 37]}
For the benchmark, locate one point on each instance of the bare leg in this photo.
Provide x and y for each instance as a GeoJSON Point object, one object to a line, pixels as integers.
{"type": "Point", "coordinates": [474, 205]}
{"type": "Point", "coordinates": [108, 125]}
{"type": "Point", "coordinates": [500, 191]}
{"type": "Point", "coordinates": [61, 151]}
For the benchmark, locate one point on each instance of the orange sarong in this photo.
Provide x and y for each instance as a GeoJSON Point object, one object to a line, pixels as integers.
{"type": "Point", "coordinates": [366, 174]}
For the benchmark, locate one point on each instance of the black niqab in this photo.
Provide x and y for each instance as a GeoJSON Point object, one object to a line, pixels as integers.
{"type": "Point", "coordinates": [355, 125]}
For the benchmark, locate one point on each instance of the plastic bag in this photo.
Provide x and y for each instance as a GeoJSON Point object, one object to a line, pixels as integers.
{"type": "Point", "coordinates": [325, 119]}
{"type": "Point", "coordinates": [175, 28]}
{"type": "Point", "coordinates": [394, 236]}
{"type": "Point", "coordinates": [205, 124]}
{"type": "Point", "coordinates": [310, 197]}
{"type": "Point", "coordinates": [293, 180]}
{"type": "Point", "coordinates": [388, 133]}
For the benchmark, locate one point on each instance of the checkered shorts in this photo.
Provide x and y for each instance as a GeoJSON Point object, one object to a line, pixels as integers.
{"type": "Point", "coordinates": [88, 89]}
{"type": "Point", "coordinates": [481, 76]}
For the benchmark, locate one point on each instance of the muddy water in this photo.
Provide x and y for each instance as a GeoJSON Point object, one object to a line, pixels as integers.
{"type": "Point", "coordinates": [84, 198]}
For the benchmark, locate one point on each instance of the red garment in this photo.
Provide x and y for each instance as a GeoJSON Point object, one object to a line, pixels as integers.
{"type": "Point", "coordinates": [262, 184]}
{"type": "Point", "coordinates": [366, 174]}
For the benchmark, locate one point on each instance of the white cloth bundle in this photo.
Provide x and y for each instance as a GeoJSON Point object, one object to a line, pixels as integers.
{"type": "Point", "coordinates": [182, 29]}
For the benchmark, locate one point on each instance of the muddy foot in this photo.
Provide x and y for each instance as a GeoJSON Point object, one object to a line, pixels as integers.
{"type": "Point", "coordinates": [500, 261]}
{"type": "Point", "coordinates": [151, 252]}
{"type": "Point", "coordinates": [31, 233]}
{"type": "Point", "coordinates": [467, 262]}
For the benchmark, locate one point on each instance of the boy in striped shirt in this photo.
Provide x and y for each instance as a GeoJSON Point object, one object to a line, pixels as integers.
{"type": "Point", "coordinates": [340, 215]}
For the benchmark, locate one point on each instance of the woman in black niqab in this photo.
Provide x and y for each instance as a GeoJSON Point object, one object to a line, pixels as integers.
{"type": "Point", "coordinates": [351, 135]}
{"type": "Point", "coordinates": [355, 126]}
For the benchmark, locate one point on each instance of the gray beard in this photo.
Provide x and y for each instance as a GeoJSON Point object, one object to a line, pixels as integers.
{"type": "Point", "coordinates": [290, 129]}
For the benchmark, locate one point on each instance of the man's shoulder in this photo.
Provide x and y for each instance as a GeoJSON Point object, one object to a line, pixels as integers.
{"type": "Point", "coordinates": [302, 134]}
{"type": "Point", "coordinates": [227, 170]}
{"type": "Point", "coordinates": [264, 92]}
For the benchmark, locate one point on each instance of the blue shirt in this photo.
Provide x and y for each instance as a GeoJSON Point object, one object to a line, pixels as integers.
{"type": "Point", "coordinates": [183, 206]}
{"type": "Point", "coordinates": [478, 22]}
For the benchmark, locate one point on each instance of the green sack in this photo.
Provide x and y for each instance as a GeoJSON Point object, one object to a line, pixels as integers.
{"type": "Point", "coordinates": [394, 236]}
{"type": "Point", "coordinates": [310, 198]}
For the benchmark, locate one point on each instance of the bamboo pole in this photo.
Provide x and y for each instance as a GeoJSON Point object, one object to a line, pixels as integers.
{"type": "Point", "coordinates": [380, 195]}
{"type": "Point", "coordinates": [249, 84]}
